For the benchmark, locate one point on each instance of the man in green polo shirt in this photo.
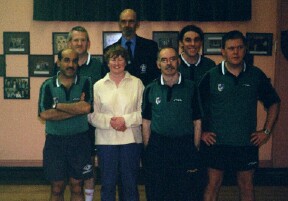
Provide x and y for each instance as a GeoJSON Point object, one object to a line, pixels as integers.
{"type": "Point", "coordinates": [64, 102]}
{"type": "Point", "coordinates": [171, 115]}
{"type": "Point", "coordinates": [229, 94]}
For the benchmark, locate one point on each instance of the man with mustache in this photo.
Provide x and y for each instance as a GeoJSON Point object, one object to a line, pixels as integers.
{"type": "Point", "coordinates": [64, 102]}
{"type": "Point", "coordinates": [171, 114]}
{"type": "Point", "coordinates": [142, 51]}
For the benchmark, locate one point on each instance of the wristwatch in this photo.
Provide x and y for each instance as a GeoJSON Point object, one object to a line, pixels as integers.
{"type": "Point", "coordinates": [54, 106]}
{"type": "Point", "coordinates": [267, 132]}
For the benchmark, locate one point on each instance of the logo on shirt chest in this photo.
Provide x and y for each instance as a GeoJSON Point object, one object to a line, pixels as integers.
{"type": "Point", "coordinates": [220, 87]}
{"type": "Point", "coordinates": [158, 100]}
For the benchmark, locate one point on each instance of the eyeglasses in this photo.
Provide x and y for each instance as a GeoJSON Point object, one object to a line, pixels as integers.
{"type": "Point", "coordinates": [171, 59]}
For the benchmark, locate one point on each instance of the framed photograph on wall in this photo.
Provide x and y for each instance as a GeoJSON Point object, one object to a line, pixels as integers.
{"type": "Point", "coordinates": [260, 43]}
{"type": "Point", "coordinates": [212, 43]}
{"type": "Point", "coordinates": [166, 38]}
{"type": "Point", "coordinates": [16, 88]}
{"type": "Point", "coordinates": [41, 65]}
{"type": "Point", "coordinates": [2, 66]}
{"type": "Point", "coordinates": [99, 57]}
{"type": "Point", "coordinates": [110, 37]}
{"type": "Point", "coordinates": [59, 40]}
{"type": "Point", "coordinates": [16, 42]}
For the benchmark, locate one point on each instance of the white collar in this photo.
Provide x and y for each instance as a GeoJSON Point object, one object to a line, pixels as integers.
{"type": "Point", "coordinates": [188, 64]}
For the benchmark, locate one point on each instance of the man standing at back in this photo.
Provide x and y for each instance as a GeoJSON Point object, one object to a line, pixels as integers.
{"type": "Point", "coordinates": [193, 65]}
{"type": "Point", "coordinates": [78, 39]}
{"type": "Point", "coordinates": [142, 51]}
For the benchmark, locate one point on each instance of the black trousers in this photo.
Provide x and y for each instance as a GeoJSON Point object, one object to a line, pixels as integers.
{"type": "Point", "coordinates": [171, 169]}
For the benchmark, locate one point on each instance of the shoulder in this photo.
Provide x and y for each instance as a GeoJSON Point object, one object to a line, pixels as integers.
{"type": "Point", "coordinates": [145, 41]}
{"type": "Point", "coordinates": [208, 61]}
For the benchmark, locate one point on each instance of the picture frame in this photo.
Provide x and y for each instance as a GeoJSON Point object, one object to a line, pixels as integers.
{"type": "Point", "coordinates": [16, 42]}
{"type": "Point", "coordinates": [41, 65]}
{"type": "Point", "coordinates": [212, 43]}
{"type": "Point", "coordinates": [59, 41]}
{"type": "Point", "coordinates": [166, 38]}
{"type": "Point", "coordinates": [110, 37]}
{"type": "Point", "coordinates": [259, 43]}
{"type": "Point", "coordinates": [99, 57]}
{"type": "Point", "coordinates": [2, 66]}
{"type": "Point", "coordinates": [16, 88]}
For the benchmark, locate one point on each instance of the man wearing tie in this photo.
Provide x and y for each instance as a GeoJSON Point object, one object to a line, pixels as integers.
{"type": "Point", "coordinates": [142, 51]}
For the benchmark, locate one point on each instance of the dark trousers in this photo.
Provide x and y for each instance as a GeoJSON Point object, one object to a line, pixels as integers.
{"type": "Point", "coordinates": [171, 169]}
{"type": "Point", "coordinates": [123, 160]}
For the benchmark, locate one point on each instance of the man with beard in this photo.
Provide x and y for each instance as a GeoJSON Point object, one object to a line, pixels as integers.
{"type": "Point", "coordinates": [142, 52]}
{"type": "Point", "coordinates": [64, 102]}
{"type": "Point", "coordinates": [193, 65]}
{"type": "Point", "coordinates": [171, 113]}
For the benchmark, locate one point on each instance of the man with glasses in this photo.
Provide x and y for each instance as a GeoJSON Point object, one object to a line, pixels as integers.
{"type": "Point", "coordinates": [142, 51]}
{"type": "Point", "coordinates": [193, 65]}
{"type": "Point", "coordinates": [171, 115]}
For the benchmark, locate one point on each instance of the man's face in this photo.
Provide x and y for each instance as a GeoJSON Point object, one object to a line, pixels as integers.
{"type": "Point", "coordinates": [79, 42]}
{"type": "Point", "coordinates": [68, 64]}
{"type": "Point", "coordinates": [234, 51]}
{"type": "Point", "coordinates": [191, 43]}
{"type": "Point", "coordinates": [168, 62]}
{"type": "Point", "coordinates": [128, 24]}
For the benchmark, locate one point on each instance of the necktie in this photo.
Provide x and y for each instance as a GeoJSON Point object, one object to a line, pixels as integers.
{"type": "Point", "coordinates": [128, 44]}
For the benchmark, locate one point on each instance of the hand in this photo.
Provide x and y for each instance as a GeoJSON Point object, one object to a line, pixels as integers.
{"type": "Point", "coordinates": [82, 98]}
{"type": "Point", "coordinates": [118, 123]}
{"type": "Point", "coordinates": [259, 138]}
{"type": "Point", "coordinates": [209, 138]}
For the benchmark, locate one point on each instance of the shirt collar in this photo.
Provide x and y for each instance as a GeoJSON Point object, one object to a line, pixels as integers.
{"type": "Point", "coordinates": [58, 83]}
{"type": "Point", "coordinates": [187, 63]}
{"type": "Point", "coordinates": [224, 70]}
{"type": "Point", "coordinates": [179, 79]}
{"type": "Point", "coordinates": [107, 77]}
{"type": "Point", "coordinates": [132, 40]}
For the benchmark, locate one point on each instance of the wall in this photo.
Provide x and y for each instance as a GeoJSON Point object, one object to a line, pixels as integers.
{"type": "Point", "coordinates": [21, 132]}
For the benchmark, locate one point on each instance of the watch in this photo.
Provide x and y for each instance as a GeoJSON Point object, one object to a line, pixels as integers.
{"type": "Point", "coordinates": [54, 106]}
{"type": "Point", "coordinates": [267, 132]}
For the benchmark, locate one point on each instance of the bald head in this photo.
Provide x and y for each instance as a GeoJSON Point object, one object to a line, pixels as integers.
{"type": "Point", "coordinates": [129, 12]}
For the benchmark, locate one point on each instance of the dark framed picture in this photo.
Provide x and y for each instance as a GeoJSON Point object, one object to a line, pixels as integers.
{"type": "Point", "coordinates": [41, 65]}
{"type": "Point", "coordinates": [110, 37]}
{"type": "Point", "coordinates": [2, 66]}
{"type": "Point", "coordinates": [260, 43]}
{"type": "Point", "coordinates": [59, 40]}
{"type": "Point", "coordinates": [16, 42]}
{"type": "Point", "coordinates": [16, 88]}
{"type": "Point", "coordinates": [212, 43]}
{"type": "Point", "coordinates": [99, 57]}
{"type": "Point", "coordinates": [166, 38]}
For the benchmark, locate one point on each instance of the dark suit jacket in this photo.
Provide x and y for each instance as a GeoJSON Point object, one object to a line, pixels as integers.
{"type": "Point", "coordinates": [143, 65]}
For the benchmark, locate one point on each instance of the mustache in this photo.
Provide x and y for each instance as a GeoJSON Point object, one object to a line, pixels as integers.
{"type": "Point", "coordinates": [170, 68]}
{"type": "Point", "coordinates": [70, 68]}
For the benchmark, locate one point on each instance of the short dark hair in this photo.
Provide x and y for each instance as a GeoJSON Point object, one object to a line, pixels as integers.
{"type": "Point", "coordinates": [80, 29]}
{"type": "Point", "coordinates": [60, 56]}
{"type": "Point", "coordinates": [235, 34]}
{"type": "Point", "coordinates": [191, 28]}
{"type": "Point", "coordinates": [116, 50]}
{"type": "Point", "coordinates": [166, 47]}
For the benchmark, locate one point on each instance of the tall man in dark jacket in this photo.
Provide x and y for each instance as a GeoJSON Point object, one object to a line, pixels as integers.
{"type": "Point", "coordinates": [142, 51]}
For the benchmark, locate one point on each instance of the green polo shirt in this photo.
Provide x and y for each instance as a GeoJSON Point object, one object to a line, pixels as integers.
{"type": "Point", "coordinates": [92, 68]}
{"type": "Point", "coordinates": [51, 90]}
{"type": "Point", "coordinates": [171, 110]}
{"type": "Point", "coordinates": [230, 103]}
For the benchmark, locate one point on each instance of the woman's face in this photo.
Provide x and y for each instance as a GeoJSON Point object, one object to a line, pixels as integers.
{"type": "Point", "coordinates": [117, 65]}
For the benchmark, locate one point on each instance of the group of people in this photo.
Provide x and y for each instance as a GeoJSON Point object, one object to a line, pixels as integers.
{"type": "Point", "coordinates": [182, 116]}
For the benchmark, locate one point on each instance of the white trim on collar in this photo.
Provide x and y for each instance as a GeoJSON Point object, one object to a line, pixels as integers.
{"type": "Point", "coordinates": [58, 84]}
{"type": "Point", "coordinates": [188, 64]}
{"type": "Point", "coordinates": [223, 67]}
{"type": "Point", "coordinates": [179, 79]}
{"type": "Point", "coordinates": [88, 59]}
